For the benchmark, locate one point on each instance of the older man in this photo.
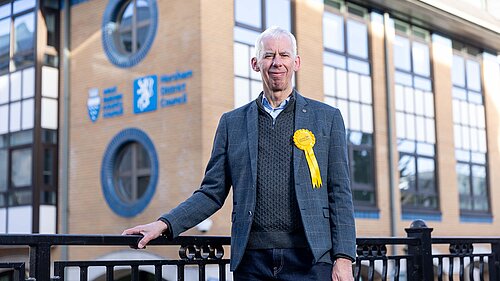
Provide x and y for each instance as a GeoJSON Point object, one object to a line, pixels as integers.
{"type": "Point", "coordinates": [285, 157]}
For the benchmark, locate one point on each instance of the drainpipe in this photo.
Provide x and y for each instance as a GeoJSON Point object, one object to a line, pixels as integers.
{"type": "Point", "coordinates": [65, 130]}
{"type": "Point", "coordinates": [390, 117]}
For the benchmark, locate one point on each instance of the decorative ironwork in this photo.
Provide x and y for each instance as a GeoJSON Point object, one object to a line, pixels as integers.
{"type": "Point", "coordinates": [461, 248]}
{"type": "Point", "coordinates": [201, 252]}
{"type": "Point", "coordinates": [371, 250]}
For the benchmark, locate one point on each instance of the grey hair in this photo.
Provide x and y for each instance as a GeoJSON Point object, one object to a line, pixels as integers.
{"type": "Point", "coordinates": [274, 32]}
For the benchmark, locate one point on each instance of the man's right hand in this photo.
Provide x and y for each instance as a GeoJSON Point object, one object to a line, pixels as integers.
{"type": "Point", "coordinates": [150, 231]}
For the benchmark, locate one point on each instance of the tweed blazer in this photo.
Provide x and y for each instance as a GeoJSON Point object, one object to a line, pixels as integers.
{"type": "Point", "coordinates": [327, 212]}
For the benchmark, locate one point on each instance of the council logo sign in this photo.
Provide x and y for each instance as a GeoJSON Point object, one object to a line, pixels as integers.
{"type": "Point", "coordinates": [145, 94]}
{"type": "Point", "coordinates": [93, 104]}
{"type": "Point", "coordinates": [148, 93]}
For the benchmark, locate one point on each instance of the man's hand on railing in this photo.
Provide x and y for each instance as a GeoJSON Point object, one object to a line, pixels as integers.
{"type": "Point", "coordinates": [149, 232]}
{"type": "Point", "coordinates": [342, 270]}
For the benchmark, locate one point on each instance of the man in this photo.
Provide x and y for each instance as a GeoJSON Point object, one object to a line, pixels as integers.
{"type": "Point", "coordinates": [285, 157]}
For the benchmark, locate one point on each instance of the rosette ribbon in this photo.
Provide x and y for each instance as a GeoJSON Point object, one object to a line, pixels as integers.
{"type": "Point", "coordinates": [305, 140]}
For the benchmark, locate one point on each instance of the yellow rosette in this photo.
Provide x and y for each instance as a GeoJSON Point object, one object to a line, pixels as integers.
{"type": "Point", "coordinates": [305, 140]}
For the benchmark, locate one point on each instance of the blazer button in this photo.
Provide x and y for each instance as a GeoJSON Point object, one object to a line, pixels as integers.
{"type": "Point", "coordinates": [250, 213]}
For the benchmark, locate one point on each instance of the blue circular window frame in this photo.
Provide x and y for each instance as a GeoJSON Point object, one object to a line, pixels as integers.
{"type": "Point", "coordinates": [110, 17]}
{"type": "Point", "coordinates": [120, 207]}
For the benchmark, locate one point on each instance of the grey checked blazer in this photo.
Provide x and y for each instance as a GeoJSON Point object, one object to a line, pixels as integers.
{"type": "Point", "coordinates": [327, 212]}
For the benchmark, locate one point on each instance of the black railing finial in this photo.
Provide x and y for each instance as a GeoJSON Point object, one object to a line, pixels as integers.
{"type": "Point", "coordinates": [418, 223]}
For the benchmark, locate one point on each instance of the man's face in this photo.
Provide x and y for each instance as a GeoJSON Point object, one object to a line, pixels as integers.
{"type": "Point", "coordinates": [276, 64]}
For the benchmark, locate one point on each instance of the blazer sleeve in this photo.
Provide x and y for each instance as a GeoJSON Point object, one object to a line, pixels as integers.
{"type": "Point", "coordinates": [339, 193]}
{"type": "Point", "coordinates": [213, 191]}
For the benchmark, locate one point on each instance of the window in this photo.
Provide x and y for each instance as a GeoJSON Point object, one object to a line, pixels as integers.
{"type": "Point", "coordinates": [4, 44]}
{"type": "Point", "coordinates": [129, 172]}
{"type": "Point", "coordinates": [133, 25]}
{"type": "Point", "coordinates": [48, 189]}
{"type": "Point", "coordinates": [129, 28]}
{"type": "Point", "coordinates": [469, 130]}
{"type": "Point", "coordinates": [51, 20]}
{"type": "Point", "coordinates": [21, 167]}
{"type": "Point", "coordinates": [3, 169]}
{"type": "Point", "coordinates": [251, 18]}
{"type": "Point", "coordinates": [415, 124]}
{"type": "Point", "coordinates": [24, 39]}
{"type": "Point", "coordinates": [17, 107]}
{"type": "Point", "coordinates": [23, 5]}
{"type": "Point", "coordinates": [16, 168]}
{"type": "Point", "coordinates": [21, 176]}
{"type": "Point", "coordinates": [132, 172]}
{"type": "Point", "coordinates": [17, 35]}
{"type": "Point", "coordinates": [348, 86]}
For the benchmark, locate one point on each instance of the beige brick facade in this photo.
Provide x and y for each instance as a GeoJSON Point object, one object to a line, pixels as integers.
{"type": "Point", "coordinates": [177, 132]}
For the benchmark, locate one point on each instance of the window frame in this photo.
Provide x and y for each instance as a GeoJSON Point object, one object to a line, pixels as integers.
{"type": "Point", "coordinates": [360, 186]}
{"type": "Point", "coordinates": [134, 173]}
{"type": "Point", "coordinates": [110, 34]}
{"type": "Point", "coordinates": [415, 192]}
{"type": "Point", "coordinates": [113, 199]}
{"type": "Point", "coordinates": [51, 187]}
{"type": "Point", "coordinates": [464, 52]}
{"type": "Point", "coordinates": [12, 65]}
{"type": "Point", "coordinates": [411, 37]}
{"type": "Point", "coordinates": [342, 10]}
{"type": "Point", "coordinates": [135, 25]}
{"type": "Point", "coordinates": [11, 189]}
{"type": "Point", "coordinates": [25, 53]}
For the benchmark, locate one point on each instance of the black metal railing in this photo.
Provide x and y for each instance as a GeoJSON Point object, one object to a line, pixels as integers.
{"type": "Point", "coordinates": [193, 250]}
{"type": "Point", "coordinates": [411, 258]}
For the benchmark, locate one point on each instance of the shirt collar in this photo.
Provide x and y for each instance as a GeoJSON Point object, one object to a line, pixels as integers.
{"type": "Point", "coordinates": [267, 104]}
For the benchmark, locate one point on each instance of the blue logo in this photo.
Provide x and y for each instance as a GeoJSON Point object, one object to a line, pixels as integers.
{"type": "Point", "coordinates": [145, 94]}
{"type": "Point", "coordinates": [93, 104]}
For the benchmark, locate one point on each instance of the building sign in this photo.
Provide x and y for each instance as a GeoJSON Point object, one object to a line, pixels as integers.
{"type": "Point", "coordinates": [174, 88]}
{"type": "Point", "coordinates": [112, 103]}
{"type": "Point", "coordinates": [93, 104]}
{"type": "Point", "coordinates": [165, 90]}
{"type": "Point", "coordinates": [145, 94]}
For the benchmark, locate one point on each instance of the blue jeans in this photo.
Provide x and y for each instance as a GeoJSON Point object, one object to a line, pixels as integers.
{"type": "Point", "coordinates": [281, 264]}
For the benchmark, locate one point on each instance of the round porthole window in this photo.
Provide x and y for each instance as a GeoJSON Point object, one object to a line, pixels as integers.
{"type": "Point", "coordinates": [129, 172]}
{"type": "Point", "coordinates": [128, 30]}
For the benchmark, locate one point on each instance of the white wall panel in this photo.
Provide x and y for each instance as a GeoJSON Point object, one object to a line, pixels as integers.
{"type": "Point", "coordinates": [49, 113]}
{"type": "Point", "coordinates": [15, 117]}
{"type": "Point", "coordinates": [19, 219]}
{"type": "Point", "coordinates": [29, 82]}
{"type": "Point", "coordinates": [4, 119]}
{"type": "Point", "coordinates": [3, 220]}
{"type": "Point", "coordinates": [50, 82]}
{"type": "Point", "coordinates": [4, 88]}
{"type": "Point", "coordinates": [47, 219]}
{"type": "Point", "coordinates": [28, 114]}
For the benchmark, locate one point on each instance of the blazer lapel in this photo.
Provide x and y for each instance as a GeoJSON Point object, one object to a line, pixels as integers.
{"type": "Point", "coordinates": [252, 136]}
{"type": "Point", "coordinates": [302, 121]}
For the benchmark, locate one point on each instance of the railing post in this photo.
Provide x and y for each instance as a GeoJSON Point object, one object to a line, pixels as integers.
{"type": "Point", "coordinates": [420, 267]}
{"type": "Point", "coordinates": [40, 261]}
{"type": "Point", "coordinates": [494, 265]}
